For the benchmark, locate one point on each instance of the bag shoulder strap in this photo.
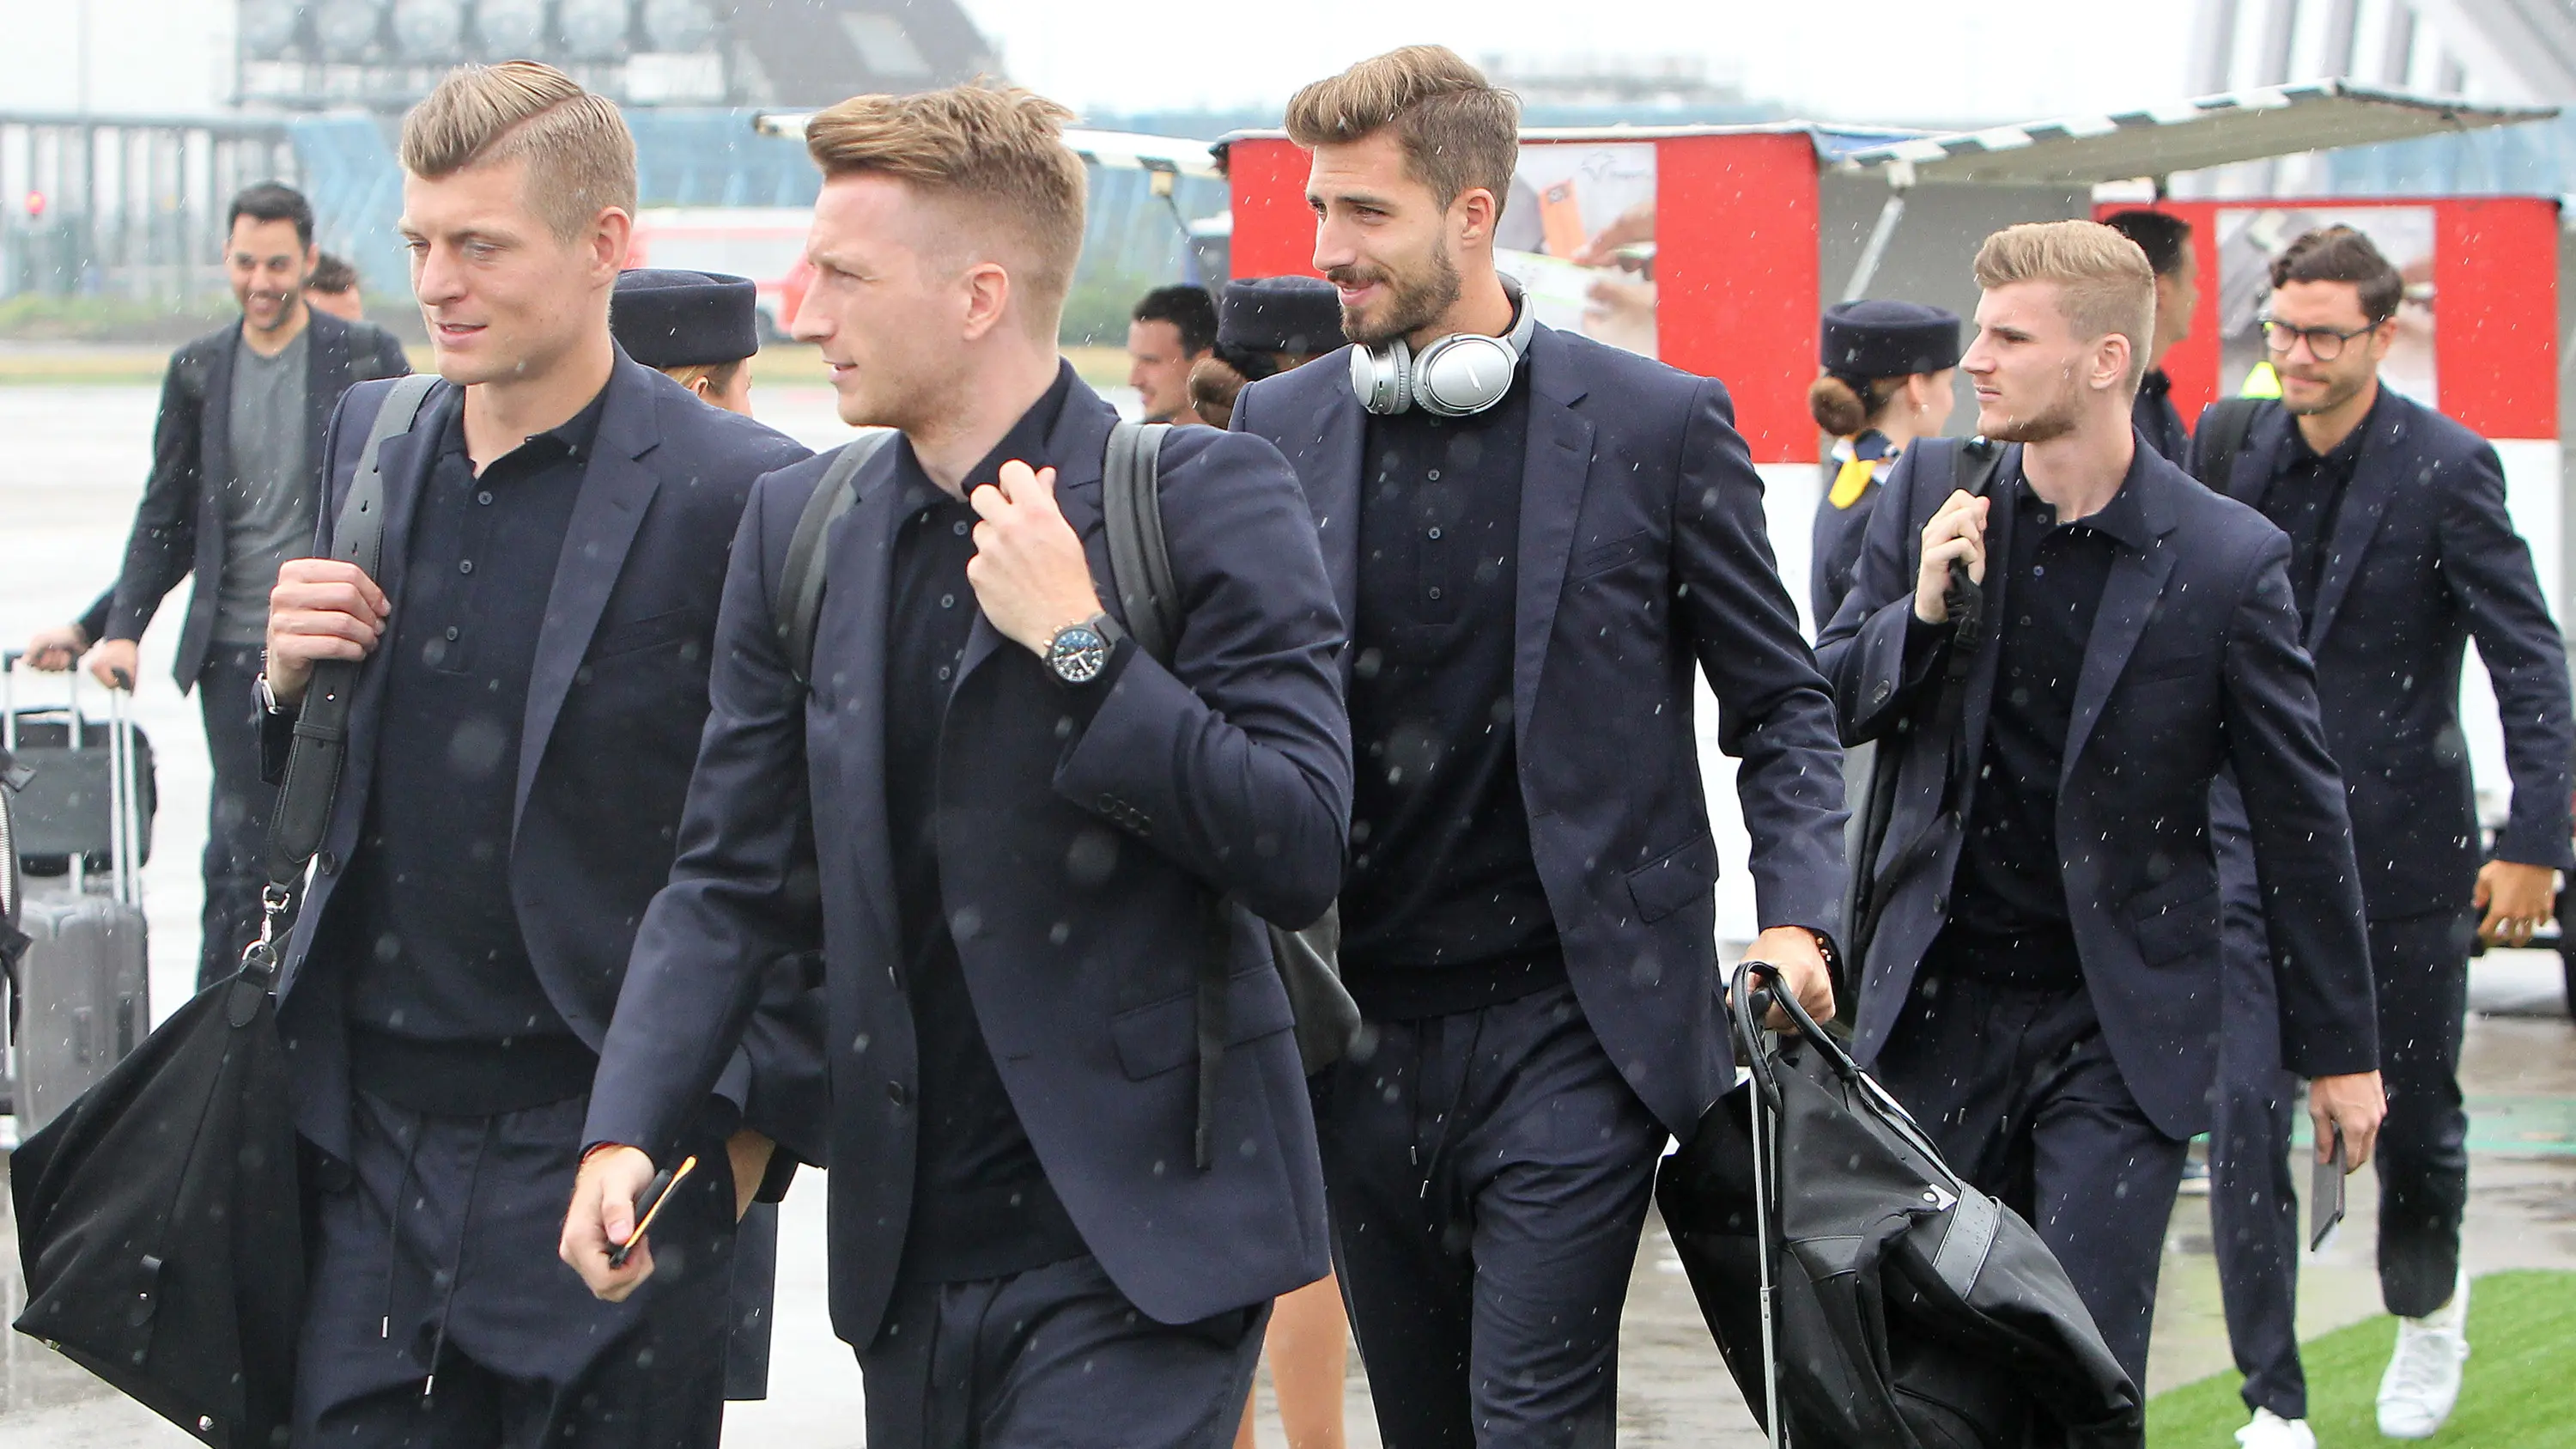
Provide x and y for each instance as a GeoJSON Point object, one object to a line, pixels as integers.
{"type": "Point", "coordinates": [2224, 429]}
{"type": "Point", "coordinates": [800, 583]}
{"type": "Point", "coordinates": [303, 810]}
{"type": "Point", "coordinates": [1140, 562]}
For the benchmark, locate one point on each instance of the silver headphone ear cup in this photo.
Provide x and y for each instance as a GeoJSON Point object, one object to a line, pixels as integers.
{"type": "Point", "coordinates": [1381, 377]}
{"type": "Point", "coordinates": [1462, 375]}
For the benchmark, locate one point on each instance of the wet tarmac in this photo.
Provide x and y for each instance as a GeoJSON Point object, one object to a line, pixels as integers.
{"type": "Point", "coordinates": [71, 467]}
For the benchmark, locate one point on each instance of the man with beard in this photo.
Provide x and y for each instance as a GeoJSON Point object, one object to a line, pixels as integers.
{"type": "Point", "coordinates": [1534, 537]}
{"type": "Point", "coordinates": [2043, 988]}
{"type": "Point", "coordinates": [236, 475]}
{"type": "Point", "coordinates": [2401, 551]}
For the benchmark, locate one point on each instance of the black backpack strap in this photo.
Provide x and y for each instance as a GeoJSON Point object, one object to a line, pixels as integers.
{"type": "Point", "coordinates": [2223, 431]}
{"type": "Point", "coordinates": [1140, 564]}
{"type": "Point", "coordinates": [1140, 572]}
{"type": "Point", "coordinates": [303, 811]}
{"type": "Point", "coordinates": [800, 583]}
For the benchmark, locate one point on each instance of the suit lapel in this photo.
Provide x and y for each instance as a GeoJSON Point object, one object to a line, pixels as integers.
{"type": "Point", "coordinates": [2128, 598]}
{"type": "Point", "coordinates": [1332, 478]}
{"type": "Point", "coordinates": [215, 426]}
{"type": "Point", "coordinates": [1556, 465]}
{"type": "Point", "coordinates": [615, 491]}
{"type": "Point", "coordinates": [2249, 479]}
{"type": "Point", "coordinates": [2376, 478]}
{"type": "Point", "coordinates": [857, 560]}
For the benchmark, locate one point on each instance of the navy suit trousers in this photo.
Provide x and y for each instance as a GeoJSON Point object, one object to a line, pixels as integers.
{"type": "Point", "coordinates": [1055, 1356]}
{"type": "Point", "coordinates": [438, 1316]}
{"type": "Point", "coordinates": [1488, 1174]}
{"type": "Point", "coordinates": [2253, 1202]}
{"type": "Point", "coordinates": [2020, 1093]}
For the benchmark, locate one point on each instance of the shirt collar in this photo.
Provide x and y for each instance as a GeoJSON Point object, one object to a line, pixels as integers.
{"type": "Point", "coordinates": [574, 438]}
{"type": "Point", "coordinates": [2123, 519]}
{"type": "Point", "coordinates": [1026, 442]}
{"type": "Point", "coordinates": [2155, 383]}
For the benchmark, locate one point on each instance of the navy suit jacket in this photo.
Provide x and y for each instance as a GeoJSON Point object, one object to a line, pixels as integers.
{"type": "Point", "coordinates": [2194, 665]}
{"type": "Point", "coordinates": [1077, 865]}
{"type": "Point", "coordinates": [179, 526]}
{"type": "Point", "coordinates": [615, 704]}
{"type": "Point", "coordinates": [1643, 555]}
{"type": "Point", "coordinates": [2423, 557]}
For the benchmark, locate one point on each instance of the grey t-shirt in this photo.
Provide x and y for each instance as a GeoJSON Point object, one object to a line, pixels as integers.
{"type": "Point", "coordinates": [268, 501]}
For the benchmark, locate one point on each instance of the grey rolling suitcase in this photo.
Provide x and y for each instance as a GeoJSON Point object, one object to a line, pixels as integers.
{"type": "Point", "coordinates": [79, 999]}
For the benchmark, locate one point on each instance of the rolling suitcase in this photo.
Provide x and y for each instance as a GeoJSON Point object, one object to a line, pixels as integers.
{"type": "Point", "coordinates": [79, 998]}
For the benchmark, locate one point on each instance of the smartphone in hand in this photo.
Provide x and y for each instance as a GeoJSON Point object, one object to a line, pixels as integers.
{"type": "Point", "coordinates": [649, 1205]}
{"type": "Point", "coordinates": [2325, 1195]}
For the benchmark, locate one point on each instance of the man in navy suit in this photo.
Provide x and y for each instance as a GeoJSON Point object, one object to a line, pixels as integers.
{"type": "Point", "coordinates": [537, 643]}
{"type": "Point", "coordinates": [2043, 986]}
{"type": "Point", "coordinates": [2401, 551]}
{"type": "Point", "coordinates": [1537, 540]}
{"type": "Point", "coordinates": [1073, 1156]}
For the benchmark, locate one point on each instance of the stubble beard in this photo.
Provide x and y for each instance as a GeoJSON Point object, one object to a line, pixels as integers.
{"type": "Point", "coordinates": [1412, 303]}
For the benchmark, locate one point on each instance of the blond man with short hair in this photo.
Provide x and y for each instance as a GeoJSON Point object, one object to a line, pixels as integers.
{"type": "Point", "coordinates": [1536, 538]}
{"type": "Point", "coordinates": [1073, 1157]}
{"type": "Point", "coordinates": [536, 639]}
{"type": "Point", "coordinates": [2043, 986]}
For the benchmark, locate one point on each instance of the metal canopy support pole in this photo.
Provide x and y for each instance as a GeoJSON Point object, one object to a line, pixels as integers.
{"type": "Point", "coordinates": [1900, 179]}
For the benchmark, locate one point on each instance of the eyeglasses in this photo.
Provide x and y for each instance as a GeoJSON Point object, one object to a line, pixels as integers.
{"type": "Point", "coordinates": [2325, 344]}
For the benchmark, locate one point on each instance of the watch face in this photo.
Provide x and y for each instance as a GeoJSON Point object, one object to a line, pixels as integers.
{"type": "Point", "coordinates": [1078, 654]}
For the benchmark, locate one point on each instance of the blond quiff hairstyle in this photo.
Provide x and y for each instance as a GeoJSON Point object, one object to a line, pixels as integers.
{"type": "Point", "coordinates": [997, 150]}
{"type": "Point", "coordinates": [1458, 130]}
{"type": "Point", "coordinates": [2105, 283]}
{"type": "Point", "coordinates": [581, 158]}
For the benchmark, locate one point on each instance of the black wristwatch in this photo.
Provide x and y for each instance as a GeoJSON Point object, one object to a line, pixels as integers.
{"type": "Point", "coordinates": [1079, 652]}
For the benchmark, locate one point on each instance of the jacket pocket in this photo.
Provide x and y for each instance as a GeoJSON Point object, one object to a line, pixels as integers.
{"type": "Point", "coordinates": [1600, 558]}
{"type": "Point", "coordinates": [1675, 879]}
{"type": "Point", "coordinates": [639, 634]}
{"type": "Point", "coordinates": [1161, 1035]}
{"type": "Point", "coordinates": [2176, 919]}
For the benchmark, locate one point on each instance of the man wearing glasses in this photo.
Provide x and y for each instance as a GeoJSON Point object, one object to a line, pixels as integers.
{"type": "Point", "coordinates": [2401, 552]}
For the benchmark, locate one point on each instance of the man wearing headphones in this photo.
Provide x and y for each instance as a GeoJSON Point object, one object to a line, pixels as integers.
{"type": "Point", "coordinates": [1531, 537]}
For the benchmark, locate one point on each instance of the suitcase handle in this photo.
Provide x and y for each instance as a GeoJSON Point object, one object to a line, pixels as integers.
{"type": "Point", "coordinates": [125, 821]}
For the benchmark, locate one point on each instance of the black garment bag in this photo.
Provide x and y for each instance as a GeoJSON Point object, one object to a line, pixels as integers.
{"type": "Point", "coordinates": [1853, 1279]}
{"type": "Point", "coordinates": [160, 1219]}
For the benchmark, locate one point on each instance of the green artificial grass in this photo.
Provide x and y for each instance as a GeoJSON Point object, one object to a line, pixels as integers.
{"type": "Point", "coordinates": [2517, 1392]}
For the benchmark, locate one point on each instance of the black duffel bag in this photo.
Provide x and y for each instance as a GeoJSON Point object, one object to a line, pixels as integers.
{"type": "Point", "coordinates": [1903, 1309]}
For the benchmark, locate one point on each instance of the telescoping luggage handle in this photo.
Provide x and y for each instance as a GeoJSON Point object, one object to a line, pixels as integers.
{"type": "Point", "coordinates": [124, 795]}
{"type": "Point", "coordinates": [303, 810]}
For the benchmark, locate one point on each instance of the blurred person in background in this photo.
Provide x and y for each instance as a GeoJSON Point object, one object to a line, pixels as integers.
{"type": "Point", "coordinates": [236, 481]}
{"type": "Point", "coordinates": [2401, 552]}
{"type": "Point", "coordinates": [1265, 326]}
{"type": "Point", "coordinates": [1886, 381]}
{"type": "Point", "coordinates": [333, 288]}
{"type": "Point", "coordinates": [699, 329]}
{"type": "Point", "coordinates": [2166, 239]}
{"type": "Point", "coordinates": [1169, 333]}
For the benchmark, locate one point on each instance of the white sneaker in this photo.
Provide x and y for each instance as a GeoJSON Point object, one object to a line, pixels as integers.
{"type": "Point", "coordinates": [2423, 1379]}
{"type": "Point", "coordinates": [2271, 1431]}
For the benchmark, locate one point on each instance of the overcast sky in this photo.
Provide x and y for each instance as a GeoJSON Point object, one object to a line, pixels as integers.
{"type": "Point", "coordinates": [1847, 59]}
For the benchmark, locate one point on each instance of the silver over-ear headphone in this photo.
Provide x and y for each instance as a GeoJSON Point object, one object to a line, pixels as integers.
{"type": "Point", "coordinates": [1458, 376]}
